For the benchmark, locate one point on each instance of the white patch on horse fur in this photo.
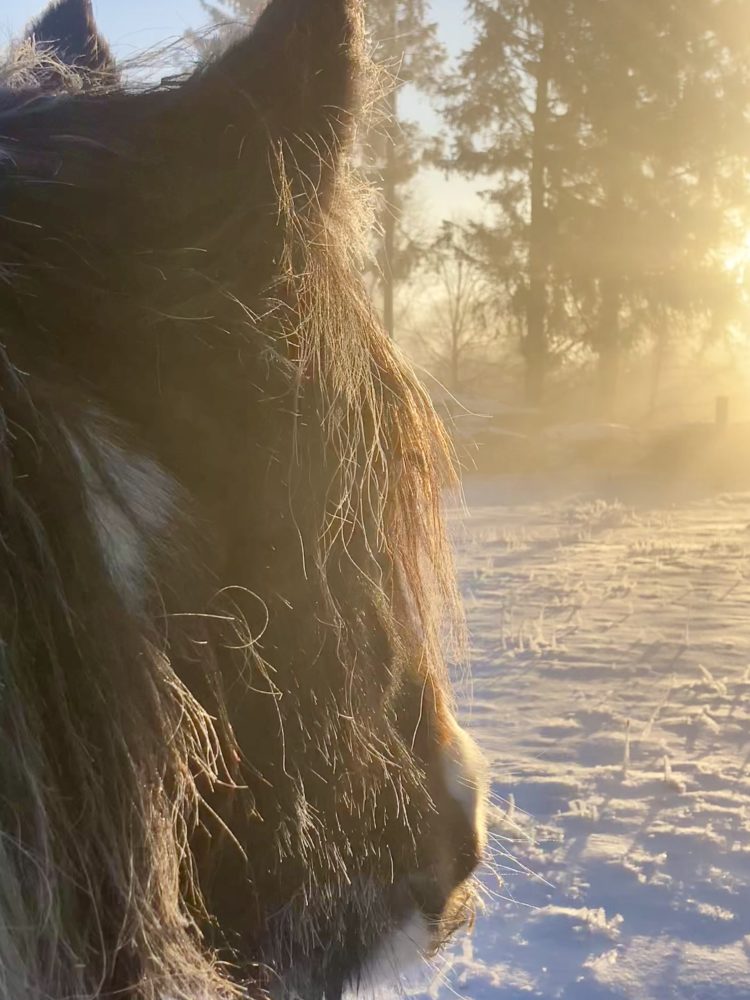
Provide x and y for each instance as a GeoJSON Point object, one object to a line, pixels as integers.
{"type": "Point", "coordinates": [132, 502]}
{"type": "Point", "coordinates": [400, 951]}
{"type": "Point", "coordinates": [465, 775]}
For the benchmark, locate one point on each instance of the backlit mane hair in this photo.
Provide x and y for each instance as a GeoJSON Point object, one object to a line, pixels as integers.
{"type": "Point", "coordinates": [226, 736]}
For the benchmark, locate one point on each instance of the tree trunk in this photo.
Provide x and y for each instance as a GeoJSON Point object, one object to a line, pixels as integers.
{"type": "Point", "coordinates": [610, 345]}
{"type": "Point", "coordinates": [390, 207]}
{"type": "Point", "coordinates": [611, 292]}
{"type": "Point", "coordinates": [660, 353]}
{"type": "Point", "coordinates": [535, 341]}
{"type": "Point", "coordinates": [455, 375]}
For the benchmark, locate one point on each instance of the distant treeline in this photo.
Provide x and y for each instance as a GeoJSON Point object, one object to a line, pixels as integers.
{"type": "Point", "coordinates": [612, 138]}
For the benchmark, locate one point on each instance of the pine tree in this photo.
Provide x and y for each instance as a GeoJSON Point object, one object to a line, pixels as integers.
{"type": "Point", "coordinates": [405, 43]}
{"type": "Point", "coordinates": [506, 126]}
{"type": "Point", "coordinates": [659, 94]}
{"type": "Point", "coordinates": [613, 134]}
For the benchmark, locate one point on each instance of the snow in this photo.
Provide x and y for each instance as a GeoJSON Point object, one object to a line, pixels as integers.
{"type": "Point", "coordinates": [610, 691]}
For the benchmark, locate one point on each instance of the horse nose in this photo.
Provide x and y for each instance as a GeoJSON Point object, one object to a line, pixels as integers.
{"type": "Point", "coordinates": [460, 835]}
{"type": "Point", "coordinates": [466, 783]}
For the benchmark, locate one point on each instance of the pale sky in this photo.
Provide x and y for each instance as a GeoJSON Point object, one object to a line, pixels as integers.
{"type": "Point", "coordinates": [129, 25]}
{"type": "Point", "coordinates": [132, 26]}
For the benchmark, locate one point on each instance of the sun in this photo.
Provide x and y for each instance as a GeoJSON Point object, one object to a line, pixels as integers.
{"type": "Point", "coordinates": [737, 260]}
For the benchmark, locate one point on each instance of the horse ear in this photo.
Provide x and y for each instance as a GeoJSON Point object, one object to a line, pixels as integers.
{"type": "Point", "coordinates": [297, 74]}
{"type": "Point", "coordinates": [68, 31]}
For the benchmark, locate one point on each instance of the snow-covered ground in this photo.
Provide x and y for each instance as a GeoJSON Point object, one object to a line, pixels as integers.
{"type": "Point", "coordinates": [610, 648]}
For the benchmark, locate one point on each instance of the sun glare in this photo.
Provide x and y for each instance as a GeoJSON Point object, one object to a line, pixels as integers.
{"type": "Point", "coordinates": [738, 259]}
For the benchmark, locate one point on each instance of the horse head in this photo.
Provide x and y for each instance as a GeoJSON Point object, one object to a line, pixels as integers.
{"type": "Point", "coordinates": [228, 754]}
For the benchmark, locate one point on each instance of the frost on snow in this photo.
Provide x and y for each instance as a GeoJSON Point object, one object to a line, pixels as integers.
{"type": "Point", "coordinates": [610, 689]}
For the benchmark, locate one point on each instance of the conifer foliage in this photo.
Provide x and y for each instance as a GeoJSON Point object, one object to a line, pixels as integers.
{"type": "Point", "coordinates": [611, 134]}
{"type": "Point", "coordinates": [405, 43]}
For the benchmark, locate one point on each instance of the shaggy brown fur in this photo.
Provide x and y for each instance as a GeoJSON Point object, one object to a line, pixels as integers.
{"type": "Point", "coordinates": [223, 574]}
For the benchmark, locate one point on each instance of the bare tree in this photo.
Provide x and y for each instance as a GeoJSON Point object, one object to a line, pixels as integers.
{"type": "Point", "coordinates": [454, 334]}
